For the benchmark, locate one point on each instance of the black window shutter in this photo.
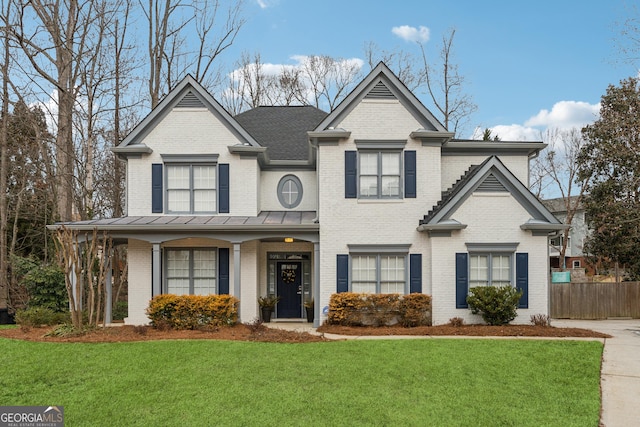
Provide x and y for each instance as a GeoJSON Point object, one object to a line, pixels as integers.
{"type": "Point", "coordinates": [462, 280]}
{"type": "Point", "coordinates": [156, 188]}
{"type": "Point", "coordinates": [410, 187]}
{"type": "Point", "coordinates": [342, 274]}
{"type": "Point", "coordinates": [522, 278]}
{"type": "Point", "coordinates": [350, 174]}
{"type": "Point", "coordinates": [415, 273]}
{"type": "Point", "coordinates": [223, 188]}
{"type": "Point", "coordinates": [223, 271]}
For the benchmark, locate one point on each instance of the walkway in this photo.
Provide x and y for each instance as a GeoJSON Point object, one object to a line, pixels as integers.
{"type": "Point", "coordinates": [620, 375]}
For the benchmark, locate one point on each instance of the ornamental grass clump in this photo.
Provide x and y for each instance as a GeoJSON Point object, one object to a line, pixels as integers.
{"type": "Point", "coordinates": [496, 304]}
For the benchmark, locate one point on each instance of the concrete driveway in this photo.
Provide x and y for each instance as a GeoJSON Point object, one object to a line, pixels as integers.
{"type": "Point", "coordinates": [620, 376]}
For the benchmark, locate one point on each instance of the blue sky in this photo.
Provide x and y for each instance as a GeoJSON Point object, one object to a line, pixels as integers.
{"type": "Point", "coordinates": [527, 65]}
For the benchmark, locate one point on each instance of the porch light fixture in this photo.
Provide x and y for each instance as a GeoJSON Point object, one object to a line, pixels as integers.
{"type": "Point", "coordinates": [288, 239]}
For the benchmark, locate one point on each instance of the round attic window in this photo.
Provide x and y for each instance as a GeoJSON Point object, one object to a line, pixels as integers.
{"type": "Point", "coordinates": [289, 191]}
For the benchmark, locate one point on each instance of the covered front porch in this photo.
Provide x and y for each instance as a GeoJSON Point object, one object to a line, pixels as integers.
{"type": "Point", "coordinates": [247, 257]}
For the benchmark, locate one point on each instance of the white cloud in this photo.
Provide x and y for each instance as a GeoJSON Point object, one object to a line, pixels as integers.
{"type": "Point", "coordinates": [512, 132]}
{"type": "Point", "coordinates": [411, 34]}
{"type": "Point", "coordinates": [566, 115]}
{"type": "Point", "coordinates": [266, 3]}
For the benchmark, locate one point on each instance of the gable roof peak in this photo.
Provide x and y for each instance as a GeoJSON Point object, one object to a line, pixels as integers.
{"type": "Point", "coordinates": [393, 88]}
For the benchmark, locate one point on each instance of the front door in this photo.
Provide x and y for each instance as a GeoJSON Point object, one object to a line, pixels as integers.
{"type": "Point", "coordinates": [289, 288]}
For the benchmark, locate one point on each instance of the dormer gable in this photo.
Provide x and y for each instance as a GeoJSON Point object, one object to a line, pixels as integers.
{"type": "Point", "coordinates": [490, 176]}
{"type": "Point", "coordinates": [382, 84]}
{"type": "Point", "coordinates": [187, 94]}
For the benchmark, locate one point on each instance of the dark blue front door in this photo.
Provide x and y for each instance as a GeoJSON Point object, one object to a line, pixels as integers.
{"type": "Point", "coordinates": [289, 283]}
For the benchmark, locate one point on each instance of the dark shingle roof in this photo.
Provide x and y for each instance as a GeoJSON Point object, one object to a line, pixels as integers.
{"type": "Point", "coordinates": [283, 130]}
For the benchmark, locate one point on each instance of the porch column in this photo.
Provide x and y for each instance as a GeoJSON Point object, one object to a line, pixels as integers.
{"type": "Point", "coordinates": [156, 288]}
{"type": "Point", "coordinates": [236, 273]}
{"type": "Point", "coordinates": [76, 290]}
{"type": "Point", "coordinates": [108, 303]}
{"type": "Point", "coordinates": [316, 285]}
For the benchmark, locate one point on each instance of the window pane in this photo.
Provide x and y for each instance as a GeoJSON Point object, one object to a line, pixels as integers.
{"type": "Point", "coordinates": [204, 263]}
{"type": "Point", "coordinates": [177, 177]}
{"type": "Point", "coordinates": [177, 263]}
{"type": "Point", "coordinates": [478, 270]}
{"type": "Point", "coordinates": [204, 286]}
{"type": "Point", "coordinates": [178, 201]}
{"type": "Point", "coordinates": [290, 192]}
{"type": "Point", "coordinates": [368, 185]}
{"type": "Point", "coordinates": [178, 286]}
{"type": "Point", "coordinates": [369, 163]}
{"type": "Point", "coordinates": [204, 200]}
{"type": "Point", "coordinates": [392, 274]}
{"type": "Point", "coordinates": [500, 270]}
{"type": "Point", "coordinates": [204, 177]}
{"type": "Point", "coordinates": [391, 164]}
{"type": "Point", "coordinates": [364, 274]}
{"type": "Point", "coordinates": [390, 186]}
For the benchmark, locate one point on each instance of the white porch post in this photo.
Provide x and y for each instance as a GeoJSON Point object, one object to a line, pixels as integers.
{"type": "Point", "coordinates": [108, 303]}
{"type": "Point", "coordinates": [156, 288]}
{"type": "Point", "coordinates": [76, 290]}
{"type": "Point", "coordinates": [316, 285]}
{"type": "Point", "coordinates": [236, 273]}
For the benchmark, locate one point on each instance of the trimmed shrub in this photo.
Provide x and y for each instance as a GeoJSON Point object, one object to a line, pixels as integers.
{"type": "Point", "coordinates": [355, 309]}
{"type": "Point", "coordinates": [192, 311]}
{"type": "Point", "coordinates": [415, 310]}
{"type": "Point", "coordinates": [496, 304]}
{"type": "Point", "coordinates": [41, 316]}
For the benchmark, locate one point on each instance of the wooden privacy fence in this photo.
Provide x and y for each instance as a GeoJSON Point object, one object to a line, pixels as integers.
{"type": "Point", "coordinates": [595, 300]}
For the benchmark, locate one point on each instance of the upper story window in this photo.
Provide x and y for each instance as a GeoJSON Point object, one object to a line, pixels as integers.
{"type": "Point", "coordinates": [191, 188]}
{"type": "Point", "coordinates": [289, 191]}
{"type": "Point", "coordinates": [380, 170]}
{"type": "Point", "coordinates": [189, 184]}
{"type": "Point", "coordinates": [380, 174]}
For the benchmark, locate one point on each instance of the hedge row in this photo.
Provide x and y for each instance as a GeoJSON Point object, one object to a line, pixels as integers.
{"type": "Point", "coordinates": [192, 311]}
{"type": "Point", "coordinates": [354, 309]}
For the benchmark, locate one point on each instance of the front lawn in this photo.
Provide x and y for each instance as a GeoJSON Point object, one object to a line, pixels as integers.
{"type": "Point", "coordinates": [439, 382]}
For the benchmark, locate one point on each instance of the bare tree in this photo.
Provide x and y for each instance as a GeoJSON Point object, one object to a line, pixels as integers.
{"type": "Point", "coordinates": [445, 86]}
{"type": "Point", "coordinates": [170, 56]}
{"type": "Point", "coordinates": [4, 135]}
{"type": "Point", "coordinates": [557, 170]}
{"type": "Point", "coordinates": [56, 38]}
{"type": "Point", "coordinates": [404, 64]}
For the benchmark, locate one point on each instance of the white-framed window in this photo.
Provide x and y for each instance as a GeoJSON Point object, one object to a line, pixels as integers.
{"type": "Point", "coordinates": [380, 174]}
{"type": "Point", "coordinates": [576, 263]}
{"type": "Point", "coordinates": [191, 188]}
{"type": "Point", "coordinates": [191, 271]}
{"type": "Point", "coordinates": [379, 273]}
{"type": "Point", "coordinates": [490, 269]}
{"type": "Point", "coordinates": [290, 191]}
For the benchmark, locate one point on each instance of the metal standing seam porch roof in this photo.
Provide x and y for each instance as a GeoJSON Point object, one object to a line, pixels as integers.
{"type": "Point", "coordinates": [266, 220]}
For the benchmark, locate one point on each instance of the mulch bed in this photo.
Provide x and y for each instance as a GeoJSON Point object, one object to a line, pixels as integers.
{"type": "Point", "coordinates": [466, 330]}
{"type": "Point", "coordinates": [244, 332]}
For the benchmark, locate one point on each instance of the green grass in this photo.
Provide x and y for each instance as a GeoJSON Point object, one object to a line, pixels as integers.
{"type": "Point", "coordinates": [438, 382]}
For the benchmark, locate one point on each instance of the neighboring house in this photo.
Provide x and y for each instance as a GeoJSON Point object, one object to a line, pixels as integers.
{"type": "Point", "coordinates": [574, 257]}
{"type": "Point", "coordinates": [375, 196]}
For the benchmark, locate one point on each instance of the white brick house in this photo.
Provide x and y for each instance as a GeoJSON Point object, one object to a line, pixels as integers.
{"type": "Point", "coordinates": [375, 196]}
